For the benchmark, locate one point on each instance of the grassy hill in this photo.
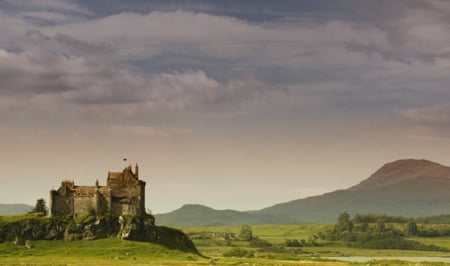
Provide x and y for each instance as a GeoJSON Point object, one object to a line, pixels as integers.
{"type": "Point", "coordinates": [10, 209]}
{"type": "Point", "coordinates": [111, 251]}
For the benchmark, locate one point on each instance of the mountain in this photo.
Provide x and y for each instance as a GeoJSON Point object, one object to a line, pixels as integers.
{"type": "Point", "coordinates": [8, 209]}
{"type": "Point", "coordinates": [403, 170]}
{"type": "Point", "coordinates": [404, 187]}
{"type": "Point", "coordinates": [198, 215]}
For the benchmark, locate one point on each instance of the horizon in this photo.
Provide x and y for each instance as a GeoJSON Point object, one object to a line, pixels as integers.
{"type": "Point", "coordinates": [271, 205]}
{"type": "Point", "coordinates": [227, 104]}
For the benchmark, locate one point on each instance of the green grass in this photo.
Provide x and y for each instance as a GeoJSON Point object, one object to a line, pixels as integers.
{"type": "Point", "coordinates": [110, 251]}
{"type": "Point", "coordinates": [119, 252]}
{"type": "Point", "coordinates": [114, 251]}
{"type": "Point", "coordinates": [277, 235]}
{"type": "Point", "coordinates": [16, 218]}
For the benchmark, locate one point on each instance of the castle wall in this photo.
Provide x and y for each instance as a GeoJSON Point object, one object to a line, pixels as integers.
{"type": "Point", "coordinates": [83, 203]}
{"type": "Point", "coordinates": [103, 200]}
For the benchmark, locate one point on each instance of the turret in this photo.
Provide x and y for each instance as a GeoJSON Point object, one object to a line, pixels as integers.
{"type": "Point", "coordinates": [136, 171]}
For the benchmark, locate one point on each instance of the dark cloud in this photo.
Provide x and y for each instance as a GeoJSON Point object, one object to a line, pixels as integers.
{"type": "Point", "coordinates": [213, 56]}
{"type": "Point", "coordinates": [25, 73]}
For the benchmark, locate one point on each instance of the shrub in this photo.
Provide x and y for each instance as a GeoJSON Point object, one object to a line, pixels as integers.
{"type": "Point", "coordinates": [293, 243]}
{"type": "Point", "coordinates": [239, 252]}
{"type": "Point", "coordinates": [257, 242]}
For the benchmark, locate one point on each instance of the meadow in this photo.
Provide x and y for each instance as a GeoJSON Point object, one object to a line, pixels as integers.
{"type": "Point", "coordinates": [219, 245]}
{"type": "Point", "coordinates": [312, 248]}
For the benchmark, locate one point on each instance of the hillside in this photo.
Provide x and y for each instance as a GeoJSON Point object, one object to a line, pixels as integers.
{"type": "Point", "coordinates": [405, 187]}
{"type": "Point", "coordinates": [109, 251]}
{"type": "Point", "coordinates": [21, 229]}
{"type": "Point", "coordinates": [418, 197]}
{"type": "Point", "coordinates": [10, 209]}
{"type": "Point", "coordinates": [198, 215]}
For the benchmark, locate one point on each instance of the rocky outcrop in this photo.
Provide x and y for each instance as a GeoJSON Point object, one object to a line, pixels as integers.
{"type": "Point", "coordinates": [91, 228]}
{"type": "Point", "coordinates": [33, 229]}
{"type": "Point", "coordinates": [87, 227]}
{"type": "Point", "coordinates": [142, 229]}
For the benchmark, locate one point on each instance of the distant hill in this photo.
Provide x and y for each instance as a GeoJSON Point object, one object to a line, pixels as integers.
{"type": "Point", "coordinates": [405, 187]}
{"type": "Point", "coordinates": [403, 170]}
{"type": "Point", "coordinates": [198, 215]}
{"type": "Point", "coordinates": [8, 209]}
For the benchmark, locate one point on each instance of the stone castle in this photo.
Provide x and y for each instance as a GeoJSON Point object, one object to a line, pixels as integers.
{"type": "Point", "coordinates": [124, 194]}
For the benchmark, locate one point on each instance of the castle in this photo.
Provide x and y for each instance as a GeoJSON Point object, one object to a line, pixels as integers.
{"type": "Point", "coordinates": [124, 194]}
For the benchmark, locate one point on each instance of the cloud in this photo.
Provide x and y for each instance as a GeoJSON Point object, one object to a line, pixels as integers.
{"type": "Point", "coordinates": [437, 115]}
{"type": "Point", "coordinates": [55, 5]}
{"type": "Point", "coordinates": [147, 131]}
{"type": "Point", "coordinates": [139, 36]}
{"type": "Point", "coordinates": [418, 33]}
{"type": "Point", "coordinates": [427, 123]}
{"type": "Point", "coordinates": [97, 87]}
{"type": "Point", "coordinates": [111, 66]}
{"type": "Point", "coordinates": [44, 12]}
{"type": "Point", "coordinates": [23, 73]}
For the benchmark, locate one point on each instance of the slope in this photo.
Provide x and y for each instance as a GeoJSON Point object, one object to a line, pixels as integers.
{"type": "Point", "coordinates": [423, 196]}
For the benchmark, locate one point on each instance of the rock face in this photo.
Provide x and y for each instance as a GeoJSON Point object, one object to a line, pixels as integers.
{"type": "Point", "coordinates": [95, 227]}
{"type": "Point", "coordinates": [139, 229]}
{"type": "Point", "coordinates": [33, 229]}
{"type": "Point", "coordinates": [403, 170]}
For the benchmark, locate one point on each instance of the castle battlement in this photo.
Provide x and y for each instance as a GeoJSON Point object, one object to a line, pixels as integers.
{"type": "Point", "coordinates": [124, 194]}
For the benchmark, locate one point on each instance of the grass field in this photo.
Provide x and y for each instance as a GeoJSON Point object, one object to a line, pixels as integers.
{"type": "Point", "coordinates": [111, 251]}
{"type": "Point", "coordinates": [278, 234]}
{"type": "Point", "coordinates": [118, 252]}
{"type": "Point", "coordinates": [14, 218]}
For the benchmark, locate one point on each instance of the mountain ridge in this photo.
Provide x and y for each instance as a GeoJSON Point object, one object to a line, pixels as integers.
{"type": "Point", "coordinates": [407, 187]}
{"type": "Point", "coordinates": [14, 208]}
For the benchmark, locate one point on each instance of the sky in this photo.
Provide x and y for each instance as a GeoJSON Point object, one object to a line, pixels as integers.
{"type": "Point", "coordinates": [230, 104]}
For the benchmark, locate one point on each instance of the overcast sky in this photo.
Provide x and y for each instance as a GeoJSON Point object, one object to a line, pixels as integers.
{"type": "Point", "coordinates": [231, 104]}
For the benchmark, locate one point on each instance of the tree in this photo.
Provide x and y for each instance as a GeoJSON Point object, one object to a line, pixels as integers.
{"type": "Point", "coordinates": [343, 223]}
{"type": "Point", "coordinates": [246, 233]}
{"type": "Point", "coordinates": [412, 229]}
{"type": "Point", "coordinates": [40, 207]}
{"type": "Point", "coordinates": [381, 227]}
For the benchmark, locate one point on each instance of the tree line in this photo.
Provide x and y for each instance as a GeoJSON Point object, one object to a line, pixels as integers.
{"type": "Point", "coordinates": [378, 232]}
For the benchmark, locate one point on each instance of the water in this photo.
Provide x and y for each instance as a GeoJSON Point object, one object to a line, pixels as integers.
{"type": "Point", "coordinates": [411, 259]}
